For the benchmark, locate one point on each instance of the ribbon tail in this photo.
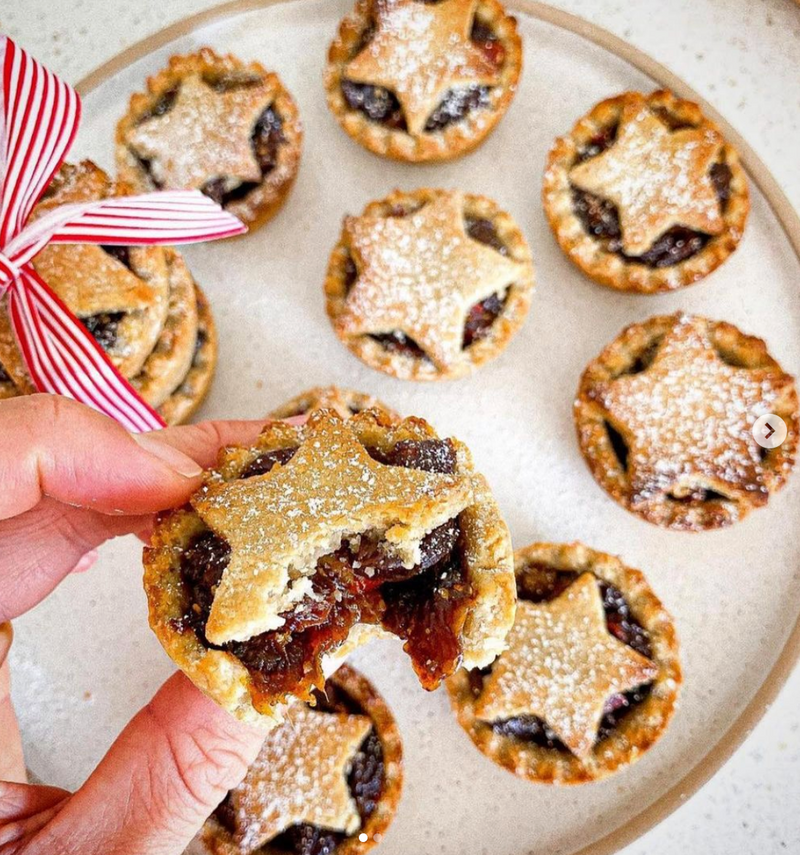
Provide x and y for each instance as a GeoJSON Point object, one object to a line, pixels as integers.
{"type": "Point", "coordinates": [63, 358]}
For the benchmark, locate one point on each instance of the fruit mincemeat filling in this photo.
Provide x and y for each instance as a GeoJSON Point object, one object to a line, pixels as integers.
{"type": "Point", "coordinates": [425, 605]}
{"type": "Point", "coordinates": [381, 105]}
{"type": "Point", "coordinates": [365, 781]}
{"type": "Point", "coordinates": [600, 217]}
{"type": "Point", "coordinates": [481, 316]}
{"type": "Point", "coordinates": [540, 584]}
{"type": "Point", "coordinates": [266, 140]}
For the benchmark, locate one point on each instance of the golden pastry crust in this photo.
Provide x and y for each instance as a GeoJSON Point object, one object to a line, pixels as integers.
{"type": "Point", "coordinates": [641, 728]}
{"type": "Point", "coordinates": [344, 402]}
{"type": "Point", "coordinates": [92, 282]}
{"type": "Point", "coordinates": [262, 202]}
{"type": "Point", "coordinates": [214, 839]}
{"type": "Point", "coordinates": [184, 401]}
{"type": "Point", "coordinates": [718, 485]}
{"type": "Point", "coordinates": [456, 139]}
{"type": "Point", "coordinates": [171, 358]}
{"type": "Point", "coordinates": [587, 252]}
{"type": "Point", "coordinates": [519, 292]}
{"type": "Point", "coordinates": [485, 546]}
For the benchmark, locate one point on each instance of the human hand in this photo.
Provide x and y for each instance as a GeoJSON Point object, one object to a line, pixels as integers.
{"type": "Point", "coordinates": [72, 479]}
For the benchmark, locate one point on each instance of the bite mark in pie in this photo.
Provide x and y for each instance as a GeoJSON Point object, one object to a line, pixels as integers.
{"type": "Point", "coordinates": [299, 548]}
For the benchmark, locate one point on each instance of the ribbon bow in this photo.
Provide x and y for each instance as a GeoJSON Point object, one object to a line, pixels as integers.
{"type": "Point", "coordinates": [39, 116]}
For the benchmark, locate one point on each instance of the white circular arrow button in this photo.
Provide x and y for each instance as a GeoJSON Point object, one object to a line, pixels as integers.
{"type": "Point", "coordinates": [769, 431]}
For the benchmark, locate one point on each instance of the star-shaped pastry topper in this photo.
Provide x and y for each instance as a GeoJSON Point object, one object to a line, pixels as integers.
{"type": "Point", "coordinates": [562, 665]}
{"type": "Point", "coordinates": [295, 513]}
{"type": "Point", "coordinates": [419, 52]}
{"type": "Point", "coordinates": [657, 178]}
{"type": "Point", "coordinates": [688, 417]}
{"type": "Point", "coordinates": [421, 274]}
{"type": "Point", "coordinates": [300, 776]}
{"type": "Point", "coordinates": [205, 134]}
{"type": "Point", "coordinates": [90, 281]}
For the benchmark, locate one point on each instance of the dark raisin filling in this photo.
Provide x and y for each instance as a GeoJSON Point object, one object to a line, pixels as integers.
{"type": "Point", "coordinates": [486, 39]}
{"type": "Point", "coordinates": [4, 378]}
{"type": "Point", "coordinates": [104, 327]}
{"type": "Point", "coordinates": [398, 342]}
{"type": "Point", "coordinates": [365, 782]}
{"type": "Point", "coordinates": [457, 104]}
{"type": "Point", "coordinates": [266, 139]}
{"type": "Point", "coordinates": [600, 217]}
{"type": "Point", "coordinates": [121, 253]}
{"type": "Point", "coordinates": [484, 231]}
{"type": "Point", "coordinates": [618, 444]}
{"type": "Point", "coordinates": [541, 583]}
{"type": "Point", "coordinates": [376, 103]}
{"type": "Point", "coordinates": [425, 605]}
{"type": "Point", "coordinates": [482, 315]}
{"type": "Point", "coordinates": [382, 106]}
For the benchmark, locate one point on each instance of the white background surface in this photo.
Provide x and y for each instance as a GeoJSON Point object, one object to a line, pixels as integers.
{"type": "Point", "coordinates": [745, 58]}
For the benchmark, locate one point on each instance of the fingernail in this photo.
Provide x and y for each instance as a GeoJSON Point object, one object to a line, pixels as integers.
{"type": "Point", "coordinates": [86, 562]}
{"type": "Point", "coordinates": [176, 460]}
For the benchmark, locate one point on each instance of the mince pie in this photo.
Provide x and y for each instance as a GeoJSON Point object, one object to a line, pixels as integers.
{"type": "Point", "coordinates": [216, 124]}
{"type": "Point", "coordinates": [327, 780]}
{"type": "Point", "coordinates": [299, 548]}
{"type": "Point", "coordinates": [591, 675]}
{"type": "Point", "coordinates": [429, 285]}
{"type": "Point", "coordinates": [423, 81]}
{"type": "Point", "coordinates": [344, 402]}
{"type": "Point", "coordinates": [183, 402]}
{"type": "Point", "coordinates": [644, 194]}
{"type": "Point", "coordinates": [140, 303]}
{"type": "Point", "coordinates": [665, 418]}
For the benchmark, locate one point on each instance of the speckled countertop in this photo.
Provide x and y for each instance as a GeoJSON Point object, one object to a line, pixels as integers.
{"type": "Point", "coordinates": [744, 57]}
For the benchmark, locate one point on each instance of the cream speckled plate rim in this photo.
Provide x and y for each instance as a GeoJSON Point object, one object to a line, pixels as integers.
{"type": "Point", "coordinates": [720, 752]}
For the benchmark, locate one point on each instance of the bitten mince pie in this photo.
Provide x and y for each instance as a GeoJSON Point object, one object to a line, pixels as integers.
{"type": "Point", "coordinates": [344, 402]}
{"type": "Point", "coordinates": [216, 124]}
{"type": "Point", "coordinates": [429, 285]}
{"type": "Point", "coordinates": [591, 675]}
{"type": "Point", "coordinates": [140, 303]}
{"type": "Point", "coordinates": [299, 548]}
{"type": "Point", "coordinates": [327, 781]}
{"type": "Point", "coordinates": [417, 80]}
{"type": "Point", "coordinates": [665, 418]}
{"type": "Point", "coordinates": [644, 194]}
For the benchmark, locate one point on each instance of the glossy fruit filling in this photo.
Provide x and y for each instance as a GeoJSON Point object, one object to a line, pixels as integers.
{"type": "Point", "coordinates": [425, 605]}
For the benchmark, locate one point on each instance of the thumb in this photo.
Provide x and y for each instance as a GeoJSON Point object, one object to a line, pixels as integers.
{"type": "Point", "coordinates": [56, 447]}
{"type": "Point", "coordinates": [161, 779]}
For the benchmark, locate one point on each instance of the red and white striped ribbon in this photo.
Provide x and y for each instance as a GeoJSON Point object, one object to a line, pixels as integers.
{"type": "Point", "coordinates": [39, 116]}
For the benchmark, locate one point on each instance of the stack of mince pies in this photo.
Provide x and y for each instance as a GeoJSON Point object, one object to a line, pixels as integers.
{"type": "Point", "coordinates": [345, 520]}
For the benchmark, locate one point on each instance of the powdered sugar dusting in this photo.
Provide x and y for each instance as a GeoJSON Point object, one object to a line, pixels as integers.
{"type": "Point", "coordinates": [656, 177]}
{"type": "Point", "coordinates": [421, 274]}
{"type": "Point", "coordinates": [300, 776]}
{"type": "Point", "coordinates": [280, 523]}
{"type": "Point", "coordinates": [419, 52]}
{"type": "Point", "coordinates": [204, 135]}
{"type": "Point", "coordinates": [561, 665]}
{"type": "Point", "coordinates": [688, 417]}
